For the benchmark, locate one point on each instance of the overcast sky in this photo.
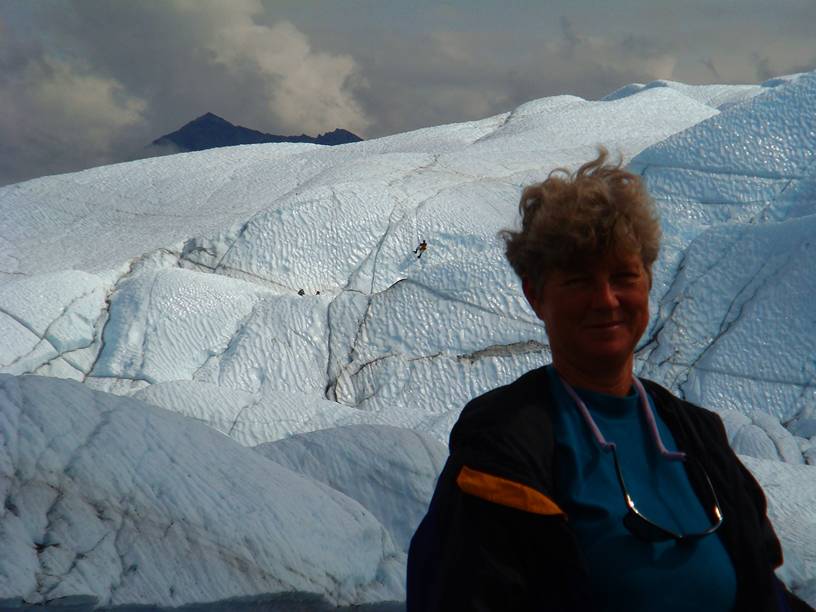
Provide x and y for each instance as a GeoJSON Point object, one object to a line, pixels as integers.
{"type": "Point", "coordinates": [90, 82]}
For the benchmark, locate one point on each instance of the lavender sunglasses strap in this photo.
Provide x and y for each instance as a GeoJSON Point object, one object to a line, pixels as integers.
{"type": "Point", "coordinates": [647, 414]}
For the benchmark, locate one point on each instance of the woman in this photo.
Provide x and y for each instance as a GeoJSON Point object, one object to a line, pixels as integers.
{"type": "Point", "coordinates": [578, 486]}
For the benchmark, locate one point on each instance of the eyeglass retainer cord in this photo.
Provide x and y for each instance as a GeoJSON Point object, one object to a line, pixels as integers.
{"type": "Point", "coordinates": [647, 413]}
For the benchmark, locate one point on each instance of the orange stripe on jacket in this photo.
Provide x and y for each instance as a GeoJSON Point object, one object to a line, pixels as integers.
{"type": "Point", "coordinates": [505, 492]}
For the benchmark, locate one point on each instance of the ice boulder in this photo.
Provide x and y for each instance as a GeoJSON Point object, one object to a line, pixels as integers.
{"type": "Point", "coordinates": [52, 322]}
{"type": "Point", "coordinates": [109, 501]}
{"type": "Point", "coordinates": [391, 471]}
{"type": "Point", "coordinates": [791, 493]}
{"type": "Point", "coordinates": [804, 424]}
{"type": "Point", "coordinates": [760, 435]}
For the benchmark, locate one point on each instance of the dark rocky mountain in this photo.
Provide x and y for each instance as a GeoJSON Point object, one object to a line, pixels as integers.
{"type": "Point", "coordinates": [210, 131]}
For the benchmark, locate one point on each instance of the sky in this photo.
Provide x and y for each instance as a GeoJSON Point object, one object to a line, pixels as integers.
{"type": "Point", "coordinates": [91, 82]}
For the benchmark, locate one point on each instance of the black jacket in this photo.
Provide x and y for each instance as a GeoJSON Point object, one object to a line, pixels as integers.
{"type": "Point", "coordinates": [519, 553]}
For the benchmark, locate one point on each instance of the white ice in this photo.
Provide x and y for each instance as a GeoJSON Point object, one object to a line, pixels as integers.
{"type": "Point", "coordinates": [391, 471]}
{"type": "Point", "coordinates": [110, 501]}
{"type": "Point", "coordinates": [251, 418]}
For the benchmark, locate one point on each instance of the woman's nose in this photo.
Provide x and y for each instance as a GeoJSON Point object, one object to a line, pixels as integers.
{"type": "Point", "coordinates": [604, 295]}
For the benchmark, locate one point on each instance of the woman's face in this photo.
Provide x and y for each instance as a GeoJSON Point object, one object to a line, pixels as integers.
{"type": "Point", "coordinates": [595, 313]}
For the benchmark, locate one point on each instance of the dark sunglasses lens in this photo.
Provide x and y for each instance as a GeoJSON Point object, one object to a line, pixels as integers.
{"type": "Point", "coordinates": [643, 529]}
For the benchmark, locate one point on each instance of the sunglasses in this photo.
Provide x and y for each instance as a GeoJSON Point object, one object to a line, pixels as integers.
{"type": "Point", "coordinates": [636, 523]}
{"type": "Point", "coordinates": [646, 529]}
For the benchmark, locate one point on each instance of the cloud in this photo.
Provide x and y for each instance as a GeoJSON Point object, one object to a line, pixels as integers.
{"type": "Point", "coordinates": [133, 71]}
{"type": "Point", "coordinates": [86, 104]}
{"type": "Point", "coordinates": [307, 91]}
{"type": "Point", "coordinates": [709, 63]}
{"type": "Point", "coordinates": [235, 59]}
{"type": "Point", "coordinates": [801, 67]}
{"type": "Point", "coordinates": [603, 62]}
{"type": "Point", "coordinates": [762, 66]}
{"type": "Point", "coordinates": [108, 78]}
{"type": "Point", "coordinates": [570, 40]}
{"type": "Point", "coordinates": [57, 116]}
{"type": "Point", "coordinates": [764, 69]}
{"type": "Point", "coordinates": [452, 76]}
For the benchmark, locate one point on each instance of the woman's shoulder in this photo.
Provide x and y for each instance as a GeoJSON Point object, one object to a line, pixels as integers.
{"type": "Point", "coordinates": [504, 408]}
{"type": "Point", "coordinates": [507, 431]}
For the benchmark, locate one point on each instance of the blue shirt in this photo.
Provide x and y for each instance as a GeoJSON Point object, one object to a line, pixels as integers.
{"type": "Point", "coordinates": [626, 572]}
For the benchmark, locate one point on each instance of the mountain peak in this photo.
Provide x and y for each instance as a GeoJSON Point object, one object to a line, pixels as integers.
{"type": "Point", "coordinates": [210, 117]}
{"type": "Point", "coordinates": [210, 131]}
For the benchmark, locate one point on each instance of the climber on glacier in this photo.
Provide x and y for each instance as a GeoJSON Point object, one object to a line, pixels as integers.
{"type": "Point", "coordinates": [421, 248]}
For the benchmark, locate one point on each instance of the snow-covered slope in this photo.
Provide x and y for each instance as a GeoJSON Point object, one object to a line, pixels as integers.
{"type": "Point", "coordinates": [720, 97]}
{"type": "Point", "coordinates": [389, 470]}
{"type": "Point", "coordinates": [270, 291]}
{"type": "Point", "coordinates": [250, 418]}
{"type": "Point", "coordinates": [111, 501]}
{"type": "Point", "coordinates": [737, 194]}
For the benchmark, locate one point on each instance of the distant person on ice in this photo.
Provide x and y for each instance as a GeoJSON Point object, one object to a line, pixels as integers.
{"type": "Point", "coordinates": [420, 249]}
{"type": "Point", "coordinates": [580, 487]}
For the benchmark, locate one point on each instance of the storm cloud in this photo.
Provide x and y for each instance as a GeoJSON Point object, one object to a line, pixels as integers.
{"type": "Point", "coordinates": [104, 79]}
{"type": "Point", "coordinates": [90, 82]}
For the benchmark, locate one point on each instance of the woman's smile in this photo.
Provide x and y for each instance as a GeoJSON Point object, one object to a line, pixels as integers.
{"type": "Point", "coordinates": [595, 315]}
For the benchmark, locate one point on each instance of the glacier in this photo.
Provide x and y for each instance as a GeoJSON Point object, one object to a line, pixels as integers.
{"type": "Point", "coordinates": [226, 376]}
{"type": "Point", "coordinates": [126, 502]}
